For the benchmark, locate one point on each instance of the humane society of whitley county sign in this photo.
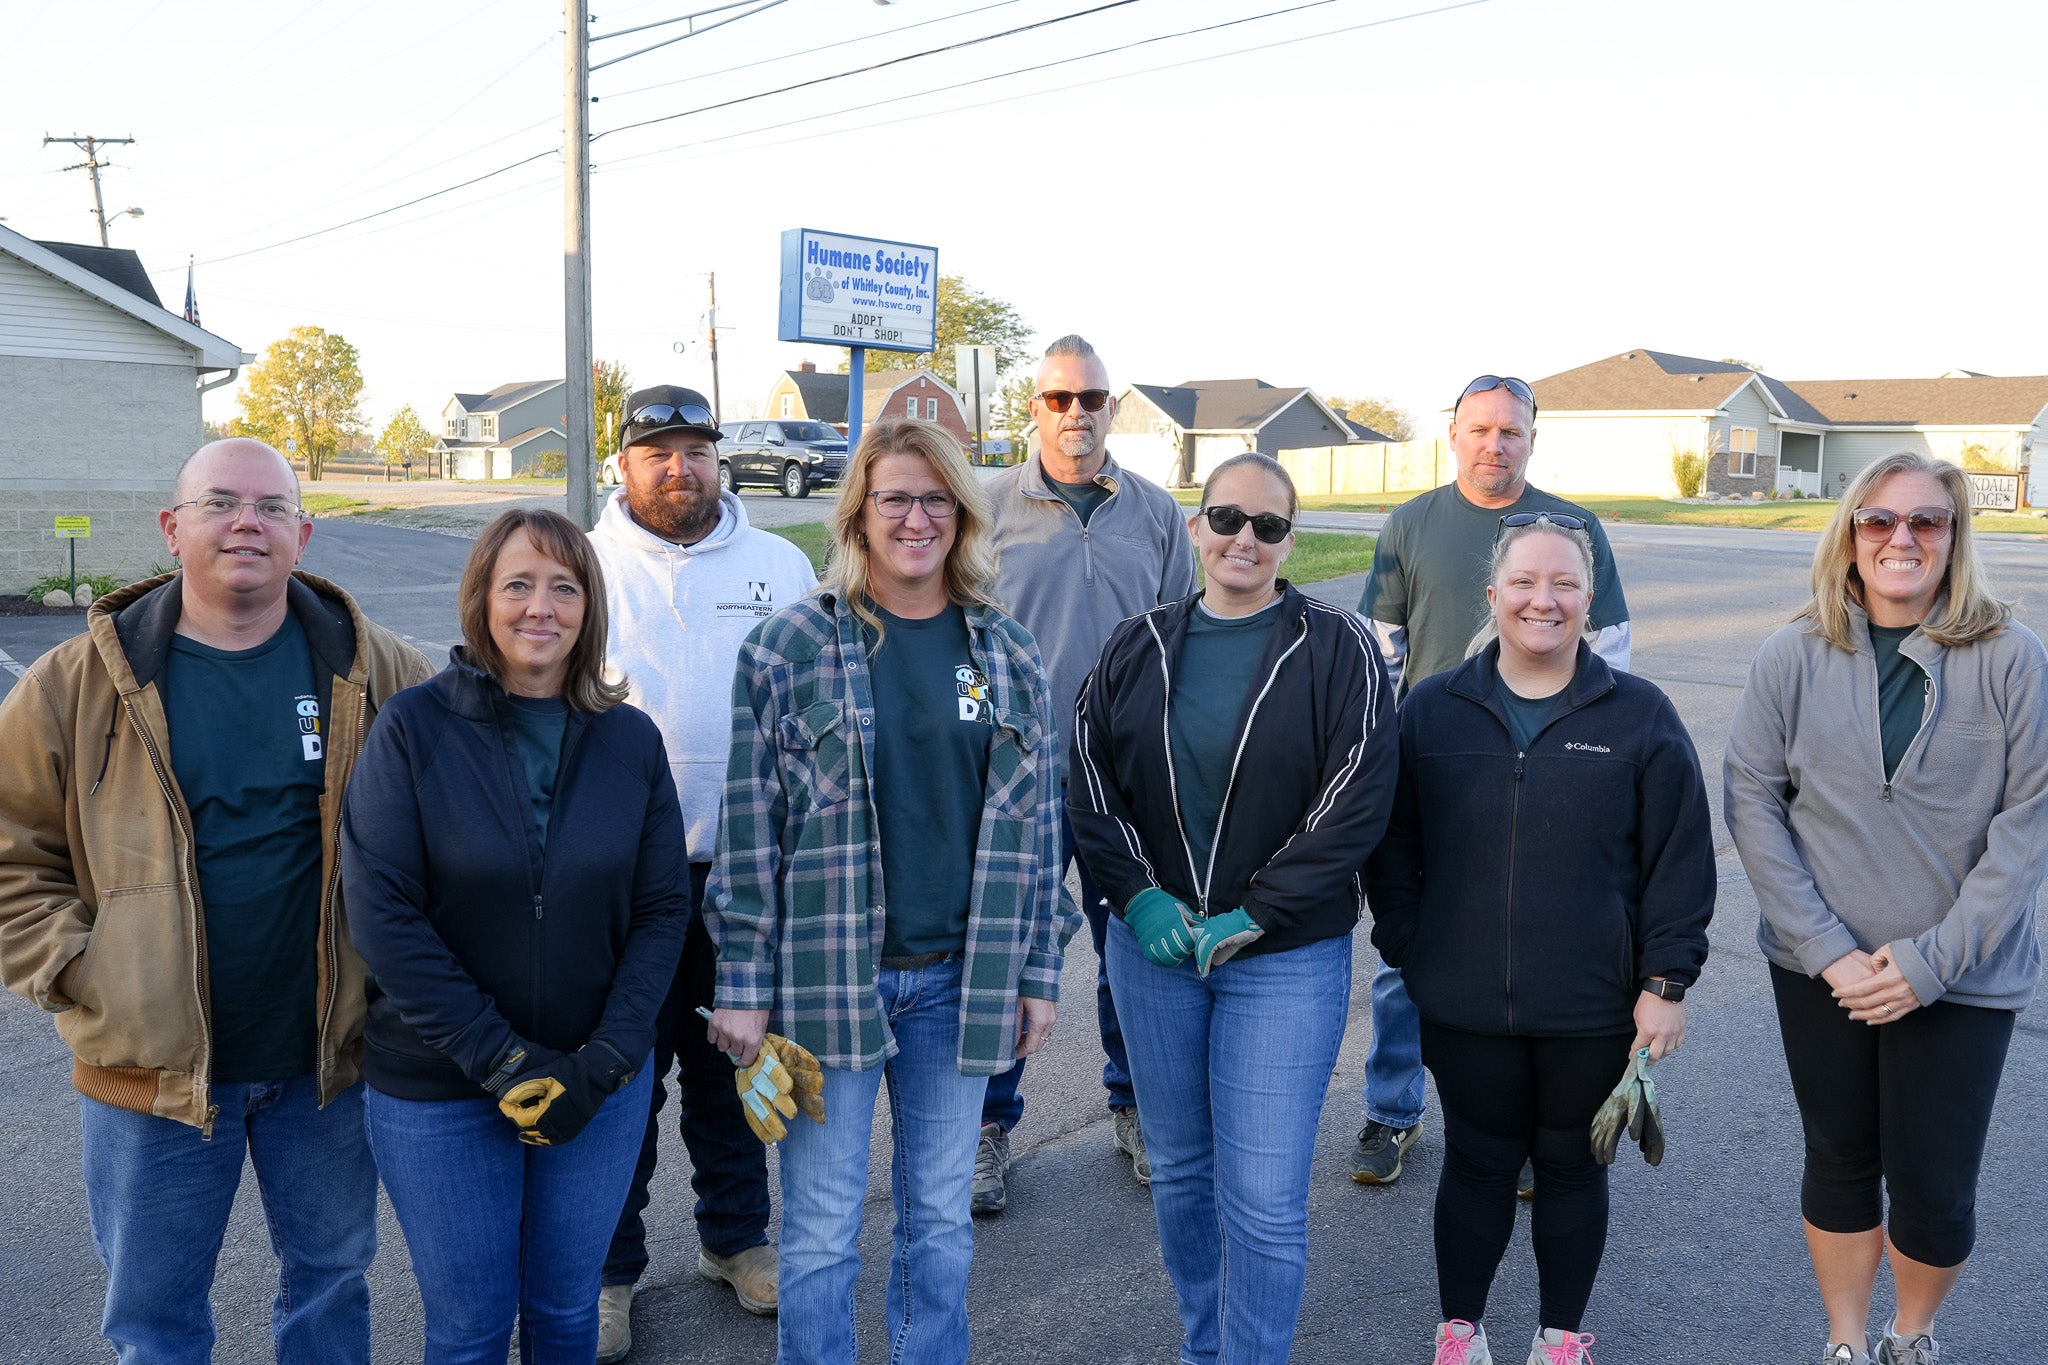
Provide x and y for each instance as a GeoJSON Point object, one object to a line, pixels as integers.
{"type": "Point", "coordinates": [858, 291]}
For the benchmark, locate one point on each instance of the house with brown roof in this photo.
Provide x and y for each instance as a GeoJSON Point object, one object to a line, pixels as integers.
{"type": "Point", "coordinates": [806, 393]}
{"type": "Point", "coordinates": [1175, 434]}
{"type": "Point", "coordinates": [1612, 426]}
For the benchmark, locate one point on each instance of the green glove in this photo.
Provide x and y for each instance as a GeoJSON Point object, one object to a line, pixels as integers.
{"type": "Point", "coordinates": [1164, 926]}
{"type": "Point", "coordinates": [1219, 936]}
{"type": "Point", "coordinates": [1631, 1106]}
{"type": "Point", "coordinates": [1645, 1120]}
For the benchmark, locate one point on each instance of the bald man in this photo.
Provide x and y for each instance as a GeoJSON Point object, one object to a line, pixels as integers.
{"type": "Point", "coordinates": [170, 794]}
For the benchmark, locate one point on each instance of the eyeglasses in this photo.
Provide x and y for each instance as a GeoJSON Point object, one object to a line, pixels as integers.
{"type": "Point", "coordinates": [1564, 519]}
{"type": "Point", "coordinates": [657, 415]}
{"type": "Point", "coordinates": [1270, 527]}
{"type": "Point", "coordinates": [1488, 382]}
{"type": "Point", "coordinates": [220, 507]}
{"type": "Point", "coordinates": [895, 504]}
{"type": "Point", "coordinates": [1876, 524]}
{"type": "Point", "coordinates": [1059, 400]}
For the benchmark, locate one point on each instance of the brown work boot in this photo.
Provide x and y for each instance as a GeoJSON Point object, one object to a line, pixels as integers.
{"type": "Point", "coordinates": [751, 1273]}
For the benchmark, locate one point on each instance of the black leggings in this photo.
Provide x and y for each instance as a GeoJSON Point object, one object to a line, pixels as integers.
{"type": "Point", "coordinates": [1507, 1100]}
{"type": "Point", "coordinates": [1904, 1106]}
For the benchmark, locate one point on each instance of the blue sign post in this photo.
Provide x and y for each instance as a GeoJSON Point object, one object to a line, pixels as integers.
{"type": "Point", "coordinates": [858, 292]}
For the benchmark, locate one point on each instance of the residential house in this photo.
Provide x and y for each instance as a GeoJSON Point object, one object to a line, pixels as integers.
{"type": "Point", "coordinates": [806, 393]}
{"type": "Point", "coordinates": [1175, 434]}
{"type": "Point", "coordinates": [99, 404]}
{"type": "Point", "coordinates": [504, 433]}
{"type": "Point", "coordinates": [1612, 426]}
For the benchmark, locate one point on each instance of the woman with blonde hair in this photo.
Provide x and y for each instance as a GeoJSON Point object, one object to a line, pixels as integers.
{"type": "Point", "coordinates": [1887, 787]}
{"type": "Point", "coordinates": [888, 890]}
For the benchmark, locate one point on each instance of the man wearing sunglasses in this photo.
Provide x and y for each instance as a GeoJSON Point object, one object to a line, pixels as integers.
{"type": "Point", "coordinates": [1083, 545]}
{"type": "Point", "coordinates": [1424, 598]}
{"type": "Point", "coordinates": [686, 579]}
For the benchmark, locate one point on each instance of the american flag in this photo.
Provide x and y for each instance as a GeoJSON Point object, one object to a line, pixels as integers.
{"type": "Point", "coordinates": [191, 298]}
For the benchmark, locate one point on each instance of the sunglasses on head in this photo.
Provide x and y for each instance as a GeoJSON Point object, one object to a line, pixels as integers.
{"type": "Point", "coordinates": [1059, 400]}
{"type": "Point", "coordinates": [1487, 382]}
{"type": "Point", "coordinates": [655, 416]}
{"type": "Point", "coordinates": [1270, 527]}
{"type": "Point", "coordinates": [1926, 523]}
{"type": "Point", "coordinates": [1564, 519]}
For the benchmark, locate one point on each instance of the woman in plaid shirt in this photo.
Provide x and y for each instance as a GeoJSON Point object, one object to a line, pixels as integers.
{"type": "Point", "coordinates": [888, 889]}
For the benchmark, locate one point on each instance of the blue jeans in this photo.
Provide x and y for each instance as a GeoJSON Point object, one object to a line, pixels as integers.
{"type": "Point", "coordinates": [498, 1229]}
{"type": "Point", "coordinates": [159, 1194]}
{"type": "Point", "coordinates": [937, 1124]}
{"type": "Point", "coordinates": [1393, 1063]}
{"type": "Point", "coordinates": [1231, 1077]}
{"type": "Point", "coordinates": [1004, 1105]}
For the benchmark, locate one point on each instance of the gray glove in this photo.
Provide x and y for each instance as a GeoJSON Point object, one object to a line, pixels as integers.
{"type": "Point", "coordinates": [1631, 1106]}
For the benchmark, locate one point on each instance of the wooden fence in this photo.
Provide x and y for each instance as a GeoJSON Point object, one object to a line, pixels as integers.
{"type": "Point", "coordinates": [1375, 467]}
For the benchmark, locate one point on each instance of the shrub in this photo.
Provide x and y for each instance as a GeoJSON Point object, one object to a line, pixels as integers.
{"type": "Point", "coordinates": [102, 584]}
{"type": "Point", "coordinates": [552, 464]}
{"type": "Point", "coordinates": [1689, 472]}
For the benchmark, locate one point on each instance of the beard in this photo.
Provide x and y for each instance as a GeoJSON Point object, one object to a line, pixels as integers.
{"type": "Point", "coordinates": [675, 511]}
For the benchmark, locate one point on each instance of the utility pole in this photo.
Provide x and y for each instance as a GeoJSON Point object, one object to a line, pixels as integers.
{"type": "Point", "coordinates": [582, 454]}
{"type": "Point", "coordinates": [711, 326]}
{"type": "Point", "coordinates": [92, 164]}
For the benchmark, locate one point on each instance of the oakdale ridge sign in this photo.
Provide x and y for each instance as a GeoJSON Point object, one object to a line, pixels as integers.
{"type": "Point", "coordinates": [858, 292]}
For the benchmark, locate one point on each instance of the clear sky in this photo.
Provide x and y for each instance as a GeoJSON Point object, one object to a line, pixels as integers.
{"type": "Point", "coordinates": [1825, 189]}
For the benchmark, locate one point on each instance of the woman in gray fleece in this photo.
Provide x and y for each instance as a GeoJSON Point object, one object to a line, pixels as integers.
{"type": "Point", "coordinates": [1887, 787]}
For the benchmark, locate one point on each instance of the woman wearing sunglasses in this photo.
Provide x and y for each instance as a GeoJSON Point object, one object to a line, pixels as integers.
{"type": "Point", "coordinates": [888, 889]}
{"type": "Point", "coordinates": [1887, 787]}
{"type": "Point", "coordinates": [1234, 761]}
{"type": "Point", "coordinates": [1544, 887]}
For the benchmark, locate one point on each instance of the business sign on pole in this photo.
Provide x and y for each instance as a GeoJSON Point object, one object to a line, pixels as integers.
{"type": "Point", "coordinates": [858, 291]}
{"type": "Point", "coordinates": [1994, 492]}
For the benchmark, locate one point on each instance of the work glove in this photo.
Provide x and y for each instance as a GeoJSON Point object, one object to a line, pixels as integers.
{"type": "Point", "coordinates": [1630, 1107]}
{"type": "Point", "coordinates": [784, 1080]}
{"type": "Point", "coordinates": [1219, 936]}
{"type": "Point", "coordinates": [552, 1102]}
{"type": "Point", "coordinates": [1165, 928]}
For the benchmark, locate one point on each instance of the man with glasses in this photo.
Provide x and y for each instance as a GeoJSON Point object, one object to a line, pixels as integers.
{"type": "Point", "coordinates": [686, 578]}
{"type": "Point", "coordinates": [170, 795]}
{"type": "Point", "coordinates": [1424, 598]}
{"type": "Point", "coordinates": [1083, 545]}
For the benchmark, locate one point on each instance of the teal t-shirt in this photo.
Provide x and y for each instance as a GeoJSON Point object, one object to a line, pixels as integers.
{"type": "Point", "coordinates": [1084, 498]}
{"type": "Point", "coordinates": [538, 724]}
{"type": "Point", "coordinates": [1211, 679]}
{"type": "Point", "coordinates": [1526, 715]}
{"type": "Point", "coordinates": [933, 720]}
{"type": "Point", "coordinates": [1901, 694]}
{"type": "Point", "coordinates": [248, 748]}
{"type": "Point", "coordinates": [1429, 574]}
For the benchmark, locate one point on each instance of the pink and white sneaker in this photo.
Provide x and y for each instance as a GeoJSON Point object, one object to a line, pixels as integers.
{"type": "Point", "coordinates": [1459, 1342]}
{"type": "Point", "coordinates": [1555, 1346]}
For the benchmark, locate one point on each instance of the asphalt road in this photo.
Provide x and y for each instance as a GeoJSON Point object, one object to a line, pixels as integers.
{"type": "Point", "coordinates": [1705, 1260]}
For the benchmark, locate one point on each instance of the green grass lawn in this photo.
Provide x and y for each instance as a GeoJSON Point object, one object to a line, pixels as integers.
{"type": "Point", "coordinates": [810, 536]}
{"type": "Point", "coordinates": [332, 504]}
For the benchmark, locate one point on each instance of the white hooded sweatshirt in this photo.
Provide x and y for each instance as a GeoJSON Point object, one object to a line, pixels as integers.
{"type": "Point", "coordinates": [679, 614]}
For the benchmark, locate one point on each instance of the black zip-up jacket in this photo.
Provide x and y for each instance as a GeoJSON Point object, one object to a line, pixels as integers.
{"type": "Point", "coordinates": [1533, 892]}
{"type": "Point", "coordinates": [1312, 774]}
{"type": "Point", "coordinates": [475, 938]}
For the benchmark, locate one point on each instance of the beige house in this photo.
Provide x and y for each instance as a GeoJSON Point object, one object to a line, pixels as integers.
{"type": "Point", "coordinates": [99, 404]}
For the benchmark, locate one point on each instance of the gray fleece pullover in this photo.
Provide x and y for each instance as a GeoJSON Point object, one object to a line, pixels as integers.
{"type": "Point", "coordinates": [1943, 862]}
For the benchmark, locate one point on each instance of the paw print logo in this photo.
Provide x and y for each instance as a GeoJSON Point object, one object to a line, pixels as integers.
{"type": "Point", "coordinates": [818, 286]}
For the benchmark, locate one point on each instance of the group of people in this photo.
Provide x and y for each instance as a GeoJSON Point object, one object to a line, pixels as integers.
{"type": "Point", "coordinates": [676, 806]}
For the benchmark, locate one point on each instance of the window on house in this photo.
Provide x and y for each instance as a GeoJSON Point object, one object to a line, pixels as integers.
{"type": "Point", "coordinates": [455, 427]}
{"type": "Point", "coordinates": [931, 409]}
{"type": "Point", "coordinates": [1742, 452]}
{"type": "Point", "coordinates": [910, 408]}
{"type": "Point", "coordinates": [491, 427]}
{"type": "Point", "coordinates": [789, 405]}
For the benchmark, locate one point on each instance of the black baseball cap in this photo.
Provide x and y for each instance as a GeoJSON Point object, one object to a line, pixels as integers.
{"type": "Point", "coordinates": [667, 407]}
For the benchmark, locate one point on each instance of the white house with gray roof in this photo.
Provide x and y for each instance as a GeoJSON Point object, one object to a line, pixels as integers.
{"type": "Point", "coordinates": [1175, 434]}
{"type": "Point", "coordinates": [503, 433]}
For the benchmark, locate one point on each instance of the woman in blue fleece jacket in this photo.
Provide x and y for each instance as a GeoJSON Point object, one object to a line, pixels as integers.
{"type": "Point", "coordinates": [1544, 887]}
{"type": "Point", "coordinates": [513, 858]}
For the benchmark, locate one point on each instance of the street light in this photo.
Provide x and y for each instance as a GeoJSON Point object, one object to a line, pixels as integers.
{"type": "Point", "coordinates": [124, 213]}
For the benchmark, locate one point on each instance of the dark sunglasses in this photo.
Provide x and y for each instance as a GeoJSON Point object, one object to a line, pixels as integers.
{"type": "Point", "coordinates": [655, 416]}
{"type": "Point", "coordinates": [1270, 527]}
{"type": "Point", "coordinates": [1488, 382]}
{"type": "Point", "coordinates": [1564, 519]}
{"type": "Point", "coordinates": [1059, 400]}
{"type": "Point", "coordinates": [1877, 524]}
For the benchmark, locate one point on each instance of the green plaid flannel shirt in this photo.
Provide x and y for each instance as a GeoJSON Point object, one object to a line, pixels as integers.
{"type": "Point", "coordinates": [796, 900]}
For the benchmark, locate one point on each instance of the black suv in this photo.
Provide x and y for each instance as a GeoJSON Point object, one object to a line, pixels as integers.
{"type": "Point", "coordinates": [794, 456]}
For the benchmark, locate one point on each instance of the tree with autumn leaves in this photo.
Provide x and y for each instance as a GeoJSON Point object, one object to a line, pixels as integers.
{"type": "Point", "coordinates": [307, 388]}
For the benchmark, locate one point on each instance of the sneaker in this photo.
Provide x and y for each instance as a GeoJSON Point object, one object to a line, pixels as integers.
{"type": "Point", "coordinates": [751, 1273]}
{"type": "Point", "coordinates": [1918, 1349]}
{"type": "Point", "coordinates": [1130, 1140]}
{"type": "Point", "coordinates": [1555, 1346]}
{"type": "Point", "coordinates": [1842, 1353]}
{"type": "Point", "coordinates": [1525, 1183]}
{"type": "Point", "coordinates": [1459, 1342]}
{"type": "Point", "coordinates": [991, 1169]}
{"type": "Point", "coordinates": [614, 1323]}
{"type": "Point", "coordinates": [1377, 1158]}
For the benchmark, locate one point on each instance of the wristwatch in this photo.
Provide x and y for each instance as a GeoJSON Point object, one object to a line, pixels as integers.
{"type": "Point", "coordinates": [1667, 990]}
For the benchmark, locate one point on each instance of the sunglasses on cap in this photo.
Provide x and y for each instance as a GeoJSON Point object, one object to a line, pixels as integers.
{"type": "Point", "coordinates": [1270, 527]}
{"type": "Point", "coordinates": [655, 416]}
{"type": "Point", "coordinates": [1059, 400]}
{"type": "Point", "coordinates": [1564, 519]}
{"type": "Point", "coordinates": [1876, 524]}
{"type": "Point", "coordinates": [1485, 383]}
